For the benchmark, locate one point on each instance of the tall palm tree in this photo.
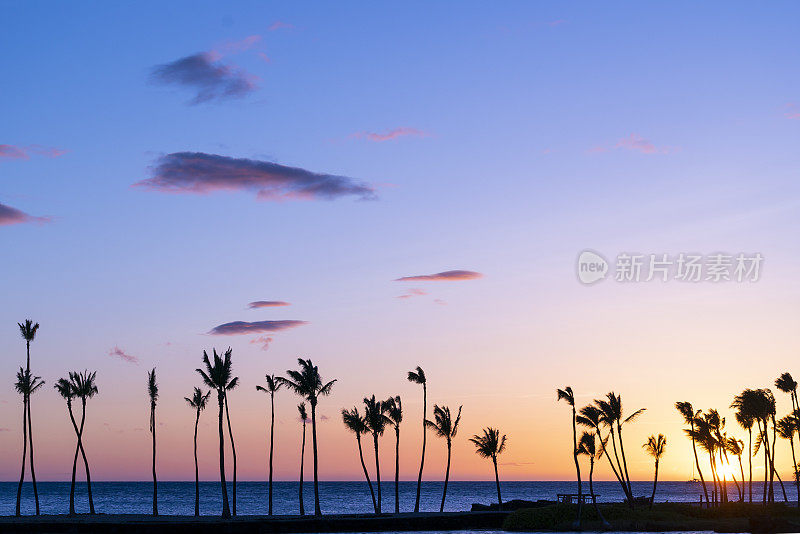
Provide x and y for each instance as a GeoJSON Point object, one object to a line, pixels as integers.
{"type": "Point", "coordinates": [689, 415]}
{"type": "Point", "coordinates": [787, 428]}
{"type": "Point", "coordinates": [787, 384]}
{"type": "Point", "coordinates": [304, 418]}
{"type": "Point", "coordinates": [198, 401]}
{"type": "Point", "coordinates": [655, 447]}
{"type": "Point", "coordinates": [613, 417]}
{"type": "Point", "coordinates": [307, 383]}
{"type": "Point", "coordinates": [26, 385]}
{"type": "Point", "coordinates": [84, 386]}
{"type": "Point", "coordinates": [356, 424]}
{"type": "Point", "coordinates": [490, 445]}
{"type": "Point", "coordinates": [231, 386]}
{"type": "Point", "coordinates": [746, 421]}
{"type": "Point", "coordinates": [587, 446]}
{"type": "Point", "coordinates": [591, 417]}
{"type": "Point", "coordinates": [736, 448]}
{"type": "Point", "coordinates": [152, 392]}
{"type": "Point", "coordinates": [567, 395]}
{"type": "Point", "coordinates": [759, 405]}
{"type": "Point", "coordinates": [28, 331]}
{"type": "Point", "coordinates": [394, 411]}
{"type": "Point", "coordinates": [417, 376]}
{"type": "Point", "coordinates": [272, 387]}
{"type": "Point", "coordinates": [217, 376]}
{"type": "Point", "coordinates": [376, 423]}
{"type": "Point", "coordinates": [445, 427]}
{"type": "Point", "coordinates": [64, 388]}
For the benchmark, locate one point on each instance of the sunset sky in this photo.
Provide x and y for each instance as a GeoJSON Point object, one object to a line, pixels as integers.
{"type": "Point", "coordinates": [165, 165]}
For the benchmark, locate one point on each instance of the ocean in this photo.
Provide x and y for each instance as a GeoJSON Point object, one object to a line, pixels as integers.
{"type": "Point", "coordinates": [177, 498]}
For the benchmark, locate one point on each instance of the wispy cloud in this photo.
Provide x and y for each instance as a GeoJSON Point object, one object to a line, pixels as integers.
{"type": "Point", "coordinates": [258, 327]}
{"type": "Point", "coordinates": [413, 292]}
{"type": "Point", "coordinates": [448, 276]}
{"type": "Point", "coordinates": [197, 172]}
{"type": "Point", "coordinates": [9, 216]}
{"type": "Point", "coordinates": [117, 352]}
{"type": "Point", "coordinates": [792, 111]}
{"type": "Point", "coordinates": [280, 25]}
{"type": "Point", "coordinates": [557, 22]}
{"type": "Point", "coordinates": [390, 135]}
{"type": "Point", "coordinates": [25, 152]}
{"type": "Point", "coordinates": [266, 304]}
{"type": "Point", "coordinates": [234, 47]}
{"type": "Point", "coordinates": [264, 341]}
{"type": "Point", "coordinates": [207, 75]}
{"type": "Point", "coordinates": [637, 143]}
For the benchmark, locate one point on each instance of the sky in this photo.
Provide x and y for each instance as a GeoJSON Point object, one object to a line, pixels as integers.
{"type": "Point", "coordinates": [163, 166]}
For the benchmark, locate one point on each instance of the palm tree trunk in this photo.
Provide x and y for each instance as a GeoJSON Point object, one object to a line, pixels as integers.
{"type": "Point", "coordinates": [85, 461]}
{"type": "Point", "coordinates": [618, 470]}
{"type": "Point", "coordinates": [366, 473]}
{"type": "Point", "coordinates": [33, 470]}
{"type": "Point", "coordinates": [397, 470]}
{"type": "Point", "coordinates": [271, 444]}
{"type": "Point", "coordinates": [317, 510]}
{"type": "Point", "coordinates": [497, 483]}
{"type": "Point", "coordinates": [591, 491]}
{"type": "Point", "coordinates": [196, 468]}
{"type": "Point", "coordinates": [655, 481]}
{"type": "Point", "coordinates": [24, 449]}
{"type": "Point", "coordinates": [697, 463]}
{"type": "Point", "coordinates": [155, 481]}
{"type": "Point", "coordinates": [226, 511]}
{"type": "Point", "coordinates": [446, 475]}
{"type": "Point", "coordinates": [74, 460]}
{"type": "Point", "coordinates": [377, 471]}
{"type": "Point", "coordinates": [750, 461]}
{"type": "Point", "coordinates": [610, 463]}
{"type": "Point", "coordinates": [624, 462]}
{"type": "Point", "coordinates": [302, 458]}
{"type": "Point", "coordinates": [713, 465]}
{"type": "Point", "coordinates": [794, 470]}
{"type": "Point", "coordinates": [424, 436]}
{"type": "Point", "coordinates": [233, 451]}
{"type": "Point", "coordinates": [577, 464]}
{"type": "Point", "coordinates": [741, 468]}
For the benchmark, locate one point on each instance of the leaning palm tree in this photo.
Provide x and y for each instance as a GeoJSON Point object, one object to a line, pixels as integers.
{"type": "Point", "coordinates": [28, 331]}
{"type": "Point", "coordinates": [152, 392]}
{"type": "Point", "coordinates": [217, 376]}
{"type": "Point", "coordinates": [231, 386]}
{"type": "Point", "coordinates": [304, 418]}
{"type": "Point", "coordinates": [787, 428]}
{"type": "Point", "coordinates": [394, 411]}
{"type": "Point", "coordinates": [307, 383]}
{"type": "Point", "coordinates": [612, 416]}
{"type": "Point", "coordinates": [587, 446]}
{"type": "Point", "coordinates": [567, 395]}
{"type": "Point", "coordinates": [64, 388]}
{"type": "Point", "coordinates": [26, 385]}
{"type": "Point", "coordinates": [445, 427]}
{"type": "Point", "coordinates": [356, 424]}
{"type": "Point", "coordinates": [417, 376]}
{"type": "Point", "coordinates": [655, 447]}
{"type": "Point", "coordinates": [689, 415]}
{"type": "Point", "coordinates": [197, 401]}
{"type": "Point", "coordinates": [490, 445]}
{"type": "Point", "coordinates": [84, 386]}
{"type": "Point", "coordinates": [591, 417]}
{"type": "Point", "coordinates": [272, 387]}
{"type": "Point", "coordinates": [376, 423]}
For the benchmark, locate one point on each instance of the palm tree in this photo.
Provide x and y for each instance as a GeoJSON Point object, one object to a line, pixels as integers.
{"type": "Point", "coordinates": [394, 411]}
{"type": "Point", "coordinates": [655, 447]}
{"type": "Point", "coordinates": [64, 388]}
{"type": "Point", "coordinates": [787, 428]}
{"type": "Point", "coordinates": [417, 376]}
{"type": "Point", "coordinates": [747, 421]}
{"type": "Point", "coordinates": [689, 415]}
{"type": "Point", "coordinates": [787, 384]}
{"type": "Point", "coordinates": [759, 406]}
{"type": "Point", "coordinates": [152, 391]}
{"type": "Point", "coordinates": [356, 424]}
{"type": "Point", "coordinates": [587, 446]}
{"type": "Point", "coordinates": [736, 448]}
{"type": "Point", "coordinates": [376, 423]}
{"type": "Point", "coordinates": [84, 386]}
{"type": "Point", "coordinates": [489, 445]}
{"type": "Point", "coordinates": [198, 401]}
{"type": "Point", "coordinates": [231, 386]}
{"type": "Point", "coordinates": [591, 417]}
{"type": "Point", "coordinates": [307, 383]}
{"type": "Point", "coordinates": [567, 395]}
{"type": "Point", "coordinates": [28, 331]}
{"type": "Point", "coordinates": [445, 427]}
{"type": "Point", "coordinates": [304, 418]}
{"type": "Point", "coordinates": [26, 385]}
{"type": "Point", "coordinates": [217, 376]}
{"type": "Point", "coordinates": [272, 387]}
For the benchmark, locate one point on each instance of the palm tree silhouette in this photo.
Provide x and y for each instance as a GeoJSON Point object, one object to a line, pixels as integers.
{"type": "Point", "coordinates": [356, 424]}
{"type": "Point", "coordinates": [28, 331]}
{"type": "Point", "coordinates": [567, 395]}
{"type": "Point", "coordinates": [272, 387]}
{"type": "Point", "coordinates": [64, 388]}
{"type": "Point", "coordinates": [655, 447]}
{"type": "Point", "coordinates": [591, 417]}
{"type": "Point", "coordinates": [445, 427]}
{"type": "Point", "coordinates": [612, 416]}
{"type": "Point", "coordinates": [217, 376]}
{"type": "Point", "coordinates": [376, 423]}
{"type": "Point", "coordinates": [26, 385]}
{"type": "Point", "coordinates": [736, 448]}
{"type": "Point", "coordinates": [417, 376]}
{"type": "Point", "coordinates": [759, 406]}
{"type": "Point", "coordinates": [197, 401]}
{"type": "Point", "coordinates": [84, 387]}
{"type": "Point", "coordinates": [394, 411]}
{"type": "Point", "coordinates": [746, 420]}
{"type": "Point", "coordinates": [304, 418]}
{"type": "Point", "coordinates": [489, 445]}
{"type": "Point", "coordinates": [688, 413]}
{"type": "Point", "coordinates": [587, 446]}
{"type": "Point", "coordinates": [787, 428]}
{"type": "Point", "coordinates": [231, 386]}
{"type": "Point", "coordinates": [152, 391]}
{"type": "Point", "coordinates": [307, 383]}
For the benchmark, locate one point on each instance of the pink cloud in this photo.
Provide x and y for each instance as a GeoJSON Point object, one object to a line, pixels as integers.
{"type": "Point", "coordinates": [9, 216]}
{"type": "Point", "coordinates": [450, 276]}
{"type": "Point", "coordinates": [207, 76]}
{"type": "Point", "coordinates": [440, 302]}
{"type": "Point", "coordinates": [264, 57]}
{"type": "Point", "coordinates": [637, 143]}
{"type": "Point", "coordinates": [24, 152]}
{"type": "Point", "coordinates": [597, 150]}
{"type": "Point", "coordinates": [117, 352]}
{"type": "Point", "coordinates": [267, 304]}
{"type": "Point", "coordinates": [258, 327]}
{"type": "Point", "coordinates": [233, 47]}
{"type": "Point", "coordinates": [264, 341]}
{"type": "Point", "coordinates": [792, 111]}
{"type": "Point", "coordinates": [391, 135]}
{"type": "Point", "coordinates": [279, 25]}
{"type": "Point", "coordinates": [413, 292]}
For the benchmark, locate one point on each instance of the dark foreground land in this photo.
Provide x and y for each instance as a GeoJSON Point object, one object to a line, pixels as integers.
{"type": "Point", "coordinates": [663, 517]}
{"type": "Point", "coordinates": [125, 524]}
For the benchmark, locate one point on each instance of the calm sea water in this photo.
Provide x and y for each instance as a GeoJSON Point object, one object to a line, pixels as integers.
{"type": "Point", "coordinates": [335, 497]}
